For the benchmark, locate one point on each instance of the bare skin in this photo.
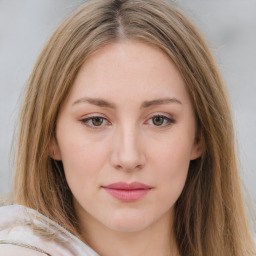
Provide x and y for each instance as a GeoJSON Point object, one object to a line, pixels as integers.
{"type": "Point", "coordinates": [128, 118]}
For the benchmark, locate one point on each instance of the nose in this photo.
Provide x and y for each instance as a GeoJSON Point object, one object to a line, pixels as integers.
{"type": "Point", "coordinates": [127, 150]}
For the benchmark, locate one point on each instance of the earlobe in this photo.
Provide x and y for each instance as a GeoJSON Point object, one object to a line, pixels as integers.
{"type": "Point", "coordinates": [197, 149]}
{"type": "Point", "coordinates": [54, 151]}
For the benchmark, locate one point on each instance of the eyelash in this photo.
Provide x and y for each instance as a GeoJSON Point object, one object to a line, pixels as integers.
{"type": "Point", "coordinates": [86, 120]}
{"type": "Point", "coordinates": [168, 121]}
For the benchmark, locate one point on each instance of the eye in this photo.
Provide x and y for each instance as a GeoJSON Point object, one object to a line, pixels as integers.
{"type": "Point", "coordinates": [95, 121]}
{"type": "Point", "coordinates": [161, 120]}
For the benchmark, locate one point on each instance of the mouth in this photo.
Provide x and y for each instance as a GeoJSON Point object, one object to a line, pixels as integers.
{"type": "Point", "coordinates": [127, 192]}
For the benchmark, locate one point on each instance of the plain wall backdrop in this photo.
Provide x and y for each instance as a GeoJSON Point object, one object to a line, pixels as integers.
{"type": "Point", "coordinates": [229, 27]}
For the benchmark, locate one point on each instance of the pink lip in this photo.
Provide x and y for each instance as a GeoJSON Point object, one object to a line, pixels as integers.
{"type": "Point", "coordinates": [127, 192]}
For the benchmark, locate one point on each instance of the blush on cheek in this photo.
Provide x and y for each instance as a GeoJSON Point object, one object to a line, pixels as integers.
{"type": "Point", "coordinates": [175, 153]}
{"type": "Point", "coordinates": [174, 167]}
{"type": "Point", "coordinates": [173, 185]}
{"type": "Point", "coordinates": [83, 160]}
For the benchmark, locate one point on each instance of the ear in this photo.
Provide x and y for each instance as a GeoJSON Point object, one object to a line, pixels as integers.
{"type": "Point", "coordinates": [197, 148]}
{"type": "Point", "coordinates": [54, 150]}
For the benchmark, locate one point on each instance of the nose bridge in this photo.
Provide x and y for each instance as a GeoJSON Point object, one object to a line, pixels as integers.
{"type": "Point", "coordinates": [128, 151]}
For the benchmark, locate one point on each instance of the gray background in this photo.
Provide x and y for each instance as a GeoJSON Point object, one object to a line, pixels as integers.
{"type": "Point", "coordinates": [228, 25]}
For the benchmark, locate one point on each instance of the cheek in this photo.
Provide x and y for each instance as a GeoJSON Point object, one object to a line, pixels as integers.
{"type": "Point", "coordinates": [82, 159]}
{"type": "Point", "coordinates": [174, 170]}
{"type": "Point", "coordinates": [171, 162]}
{"type": "Point", "coordinates": [173, 151]}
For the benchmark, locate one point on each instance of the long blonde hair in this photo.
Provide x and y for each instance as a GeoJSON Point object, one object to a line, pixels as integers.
{"type": "Point", "coordinates": [209, 214]}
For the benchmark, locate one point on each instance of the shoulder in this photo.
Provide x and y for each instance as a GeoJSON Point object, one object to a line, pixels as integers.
{"type": "Point", "coordinates": [22, 228]}
{"type": "Point", "coordinates": [14, 250]}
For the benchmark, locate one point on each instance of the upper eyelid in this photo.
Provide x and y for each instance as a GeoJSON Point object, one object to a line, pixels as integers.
{"type": "Point", "coordinates": [91, 116]}
{"type": "Point", "coordinates": [94, 115]}
{"type": "Point", "coordinates": [169, 116]}
{"type": "Point", "coordinates": [168, 119]}
{"type": "Point", "coordinates": [85, 121]}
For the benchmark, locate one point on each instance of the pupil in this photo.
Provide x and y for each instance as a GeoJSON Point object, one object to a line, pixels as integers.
{"type": "Point", "coordinates": [97, 121]}
{"type": "Point", "coordinates": [158, 120]}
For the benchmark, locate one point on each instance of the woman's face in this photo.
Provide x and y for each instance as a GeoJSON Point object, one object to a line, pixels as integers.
{"type": "Point", "coordinates": [126, 135]}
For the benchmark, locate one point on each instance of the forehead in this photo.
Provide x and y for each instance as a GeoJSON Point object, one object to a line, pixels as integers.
{"type": "Point", "coordinates": [129, 70]}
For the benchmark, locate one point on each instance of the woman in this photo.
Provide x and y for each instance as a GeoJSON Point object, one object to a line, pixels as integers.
{"type": "Point", "coordinates": [126, 139]}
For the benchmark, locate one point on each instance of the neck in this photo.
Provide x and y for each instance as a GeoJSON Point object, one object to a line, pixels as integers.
{"type": "Point", "coordinates": [158, 239]}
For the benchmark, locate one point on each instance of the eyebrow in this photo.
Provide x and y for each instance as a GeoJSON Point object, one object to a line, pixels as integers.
{"type": "Point", "coordinates": [105, 104]}
{"type": "Point", "coordinates": [150, 103]}
{"type": "Point", "coordinates": [95, 101]}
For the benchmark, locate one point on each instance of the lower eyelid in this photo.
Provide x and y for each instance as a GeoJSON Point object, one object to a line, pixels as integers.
{"type": "Point", "coordinates": [85, 120]}
{"type": "Point", "coordinates": [167, 121]}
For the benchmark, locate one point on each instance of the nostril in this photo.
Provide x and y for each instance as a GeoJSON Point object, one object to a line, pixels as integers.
{"type": "Point", "coordinates": [125, 166]}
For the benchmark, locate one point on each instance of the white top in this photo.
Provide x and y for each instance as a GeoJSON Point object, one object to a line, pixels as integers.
{"type": "Point", "coordinates": [19, 237]}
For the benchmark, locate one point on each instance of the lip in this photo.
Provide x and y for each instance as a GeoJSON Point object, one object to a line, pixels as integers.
{"type": "Point", "coordinates": [127, 192]}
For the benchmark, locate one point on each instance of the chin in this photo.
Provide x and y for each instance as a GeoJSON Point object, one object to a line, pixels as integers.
{"type": "Point", "coordinates": [128, 222]}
